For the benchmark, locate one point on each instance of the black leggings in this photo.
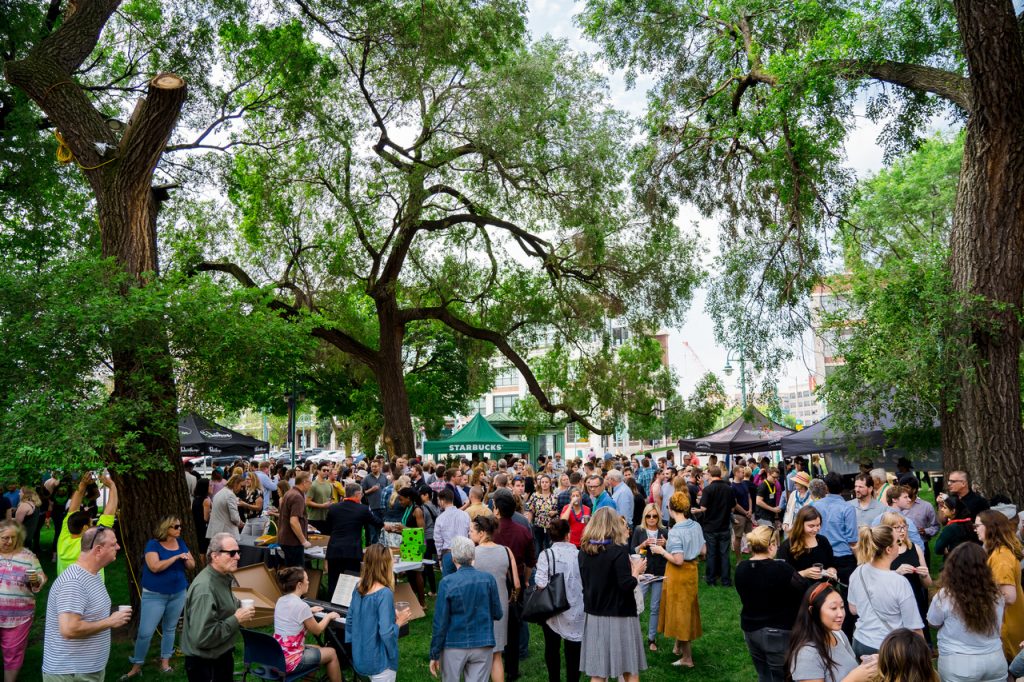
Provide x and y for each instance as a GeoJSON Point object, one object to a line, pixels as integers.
{"type": "Point", "coordinates": [553, 656]}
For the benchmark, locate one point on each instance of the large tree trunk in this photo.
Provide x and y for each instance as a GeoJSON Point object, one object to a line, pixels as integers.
{"type": "Point", "coordinates": [143, 399]}
{"type": "Point", "coordinates": [983, 435]}
{"type": "Point", "coordinates": [390, 373]}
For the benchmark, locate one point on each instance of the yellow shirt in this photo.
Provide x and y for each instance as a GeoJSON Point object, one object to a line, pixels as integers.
{"type": "Point", "coordinates": [1006, 571]}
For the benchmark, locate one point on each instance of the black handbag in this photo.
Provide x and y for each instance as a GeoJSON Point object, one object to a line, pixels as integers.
{"type": "Point", "coordinates": [544, 602]}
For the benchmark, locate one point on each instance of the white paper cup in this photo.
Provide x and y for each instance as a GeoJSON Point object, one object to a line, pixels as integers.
{"type": "Point", "coordinates": [124, 608]}
{"type": "Point", "coordinates": [635, 558]}
{"type": "Point", "coordinates": [248, 603]}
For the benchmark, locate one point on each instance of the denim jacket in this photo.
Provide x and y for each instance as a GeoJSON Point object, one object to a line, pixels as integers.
{"type": "Point", "coordinates": [461, 619]}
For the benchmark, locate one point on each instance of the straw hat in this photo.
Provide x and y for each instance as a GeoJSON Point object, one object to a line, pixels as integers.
{"type": "Point", "coordinates": [802, 478]}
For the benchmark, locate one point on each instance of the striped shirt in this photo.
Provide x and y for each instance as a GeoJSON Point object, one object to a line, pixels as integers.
{"type": "Point", "coordinates": [81, 592]}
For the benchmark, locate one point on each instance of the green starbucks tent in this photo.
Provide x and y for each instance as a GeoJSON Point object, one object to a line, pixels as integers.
{"type": "Point", "coordinates": [476, 436]}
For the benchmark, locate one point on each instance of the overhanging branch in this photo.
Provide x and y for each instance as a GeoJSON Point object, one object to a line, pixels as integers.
{"type": "Point", "coordinates": [499, 341]}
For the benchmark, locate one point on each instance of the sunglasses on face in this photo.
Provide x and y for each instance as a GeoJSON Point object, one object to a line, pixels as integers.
{"type": "Point", "coordinates": [229, 552]}
{"type": "Point", "coordinates": [176, 526]}
{"type": "Point", "coordinates": [650, 516]}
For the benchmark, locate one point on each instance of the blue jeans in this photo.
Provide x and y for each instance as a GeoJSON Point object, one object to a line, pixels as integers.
{"type": "Point", "coordinates": [1017, 666]}
{"type": "Point", "coordinates": [652, 623]}
{"type": "Point", "coordinates": [158, 609]}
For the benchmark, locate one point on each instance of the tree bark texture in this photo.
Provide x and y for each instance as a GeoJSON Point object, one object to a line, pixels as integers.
{"type": "Point", "coordinates": [144, 395]}
{"type": "Point", "coordinates": [389, 370]}
{"type": "Point", "coordinates": [983, 435]}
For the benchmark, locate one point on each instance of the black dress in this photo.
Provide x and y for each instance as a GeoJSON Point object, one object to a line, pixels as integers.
{"type": "Point", "coordinates": [822, 554]}
{"type": "Point", "coordinates": [909, 557]}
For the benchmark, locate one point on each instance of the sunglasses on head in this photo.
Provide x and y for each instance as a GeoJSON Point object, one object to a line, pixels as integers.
{"type": "Point", "coordinates": [89, 541]}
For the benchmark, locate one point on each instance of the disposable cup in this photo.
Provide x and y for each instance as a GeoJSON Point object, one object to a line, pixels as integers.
{"type": "Point", "coordinates": [248, 603]}
{"type": "Point", "coordinates": [124, 607]}
{"type": "Point", "coordinates": [401, 606]}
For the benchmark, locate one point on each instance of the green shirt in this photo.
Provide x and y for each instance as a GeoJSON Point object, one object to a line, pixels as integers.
{"type": "Point", "coordinates": [210, 628]}
{"type": "Point", "coordinates": [320, 492]}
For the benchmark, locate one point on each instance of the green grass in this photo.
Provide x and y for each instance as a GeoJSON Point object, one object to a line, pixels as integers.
{"type": "Point", "coordinates": [720, 654]}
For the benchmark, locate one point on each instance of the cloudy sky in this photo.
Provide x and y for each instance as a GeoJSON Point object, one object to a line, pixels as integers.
{"type": "Point", "coordinates": [556, 17]}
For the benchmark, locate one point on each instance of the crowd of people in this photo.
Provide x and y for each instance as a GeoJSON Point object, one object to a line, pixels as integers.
{"type": "Point", "coordinates": [831, 588]}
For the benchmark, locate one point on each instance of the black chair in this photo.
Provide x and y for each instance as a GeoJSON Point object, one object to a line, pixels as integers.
{"type": "Point", "coordinates": [264, 658]}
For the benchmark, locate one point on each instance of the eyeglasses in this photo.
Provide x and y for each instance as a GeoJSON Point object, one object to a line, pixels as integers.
{"type": "Point", "coordinates": [92, 536]}
{"type": "Point", "coordinates": [229, 552]}
{"type": "Point", "coordinates": [957, 480]}
{"type": "Point", "coordinates": [650, 516]}
{"type": "Point", "coordinates": [176, 526]}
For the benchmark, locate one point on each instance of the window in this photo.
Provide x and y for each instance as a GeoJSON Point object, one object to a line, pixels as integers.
{"type": "Point", "coordinates": [507, 376]}
{"type": "Point", "coordinates": [503, 403]}
{"type": "Point", "coordinates": [481, 406]}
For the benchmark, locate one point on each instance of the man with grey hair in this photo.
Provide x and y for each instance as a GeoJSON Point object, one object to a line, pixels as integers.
{"type": "Point", "coordinates": [621, 495]}
{"type": "Point", "coordinates": [76, 643]}
{"type": "Point", "coordinates": [462, 643]}
{"type": "Point", "coordinates": [213, 616]}
{"type": "Point", "coordinates": [346, 521]}
{"type": "Point", "coordinates": [881, 481]}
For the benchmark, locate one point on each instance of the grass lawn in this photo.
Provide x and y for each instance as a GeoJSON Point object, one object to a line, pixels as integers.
{"type": "Point", "coordinates": [720, 655]}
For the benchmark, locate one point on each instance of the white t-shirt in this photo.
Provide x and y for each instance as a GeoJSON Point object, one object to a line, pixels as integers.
{"type": "Point", "coordinates": [884, 602]}
{"type": "Point", "coordinates": [290, 613]}
{"type": "Point", "coordinates": [954, 637]}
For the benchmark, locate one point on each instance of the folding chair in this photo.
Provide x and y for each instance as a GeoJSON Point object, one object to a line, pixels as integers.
{"type": "Point", "coordinates": [264, 658]}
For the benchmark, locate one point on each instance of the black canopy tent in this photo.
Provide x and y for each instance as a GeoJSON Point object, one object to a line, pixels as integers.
{"type": "Point", "coordinates": [750, 432]}
{"type": "Point", "coordinates": [843, 451]}
{"type": "Point", "coordinates": [199, 436]}
{"type": "Point", "coordinates": [822, 438]}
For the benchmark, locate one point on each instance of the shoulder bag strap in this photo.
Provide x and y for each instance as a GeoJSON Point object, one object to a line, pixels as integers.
{"type": "Point", "coordinates": [864, 584]}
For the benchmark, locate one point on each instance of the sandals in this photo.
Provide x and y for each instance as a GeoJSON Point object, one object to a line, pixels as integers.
{"type": "Point", "coordinates": [651, 645]}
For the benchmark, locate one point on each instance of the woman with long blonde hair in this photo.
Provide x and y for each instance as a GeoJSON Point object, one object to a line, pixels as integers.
{"type": "Point", "coordinates": [680, 612]}
{"type": "Point", "coordinates": [910, 562]}
{"type": "Point", "coordinates": [882, 599]}
{"type": "Point", "coordinates": [650, 532]}
{"type": "Point", "coordinates": [612, 642]}
{"type": "Point", "coordinates": [999, 537]}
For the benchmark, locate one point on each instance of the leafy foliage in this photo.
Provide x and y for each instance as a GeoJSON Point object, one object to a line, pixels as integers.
{"type": "Point", "coordinates": [747, 122]}
{"type": "Point", "coordinates": [898, 304]}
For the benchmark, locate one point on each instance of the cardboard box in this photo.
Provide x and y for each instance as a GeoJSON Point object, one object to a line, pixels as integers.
{"type": "Point", "coordinates": [318, 540]}
{"type": "Point", "coordinates": [403, 592]}
{"type": "Point", "coordinates": [256, 582]}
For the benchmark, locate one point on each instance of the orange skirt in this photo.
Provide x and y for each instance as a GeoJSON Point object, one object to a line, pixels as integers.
{"type": "Point", "coordinates": [679, 617]}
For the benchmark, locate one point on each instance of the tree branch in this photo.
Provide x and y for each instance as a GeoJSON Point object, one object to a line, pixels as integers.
{"type": "Point", "coordinates": [500, 342]}
{"type": "Point", "coordinates": [950, 86]}
{"type": "Point", "coordinates": [339, 339]}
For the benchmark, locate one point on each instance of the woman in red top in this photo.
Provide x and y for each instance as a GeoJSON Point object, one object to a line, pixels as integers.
{"type": "Point", "coordinates": [577, 514]}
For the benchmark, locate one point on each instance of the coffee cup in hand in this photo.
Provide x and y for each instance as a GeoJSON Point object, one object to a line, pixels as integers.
{"type": "Point", "coordinates": [124, 608]}
{"type": "Point", "coordinates": [248, 603]}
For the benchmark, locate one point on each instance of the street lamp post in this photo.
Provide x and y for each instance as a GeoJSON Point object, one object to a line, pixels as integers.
{"type": "Point", "coordinates": [743, 373]}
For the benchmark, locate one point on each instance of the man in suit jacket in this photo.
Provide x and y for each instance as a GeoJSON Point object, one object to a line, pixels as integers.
{"type": "Point", "coordinates": [345, 523]}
